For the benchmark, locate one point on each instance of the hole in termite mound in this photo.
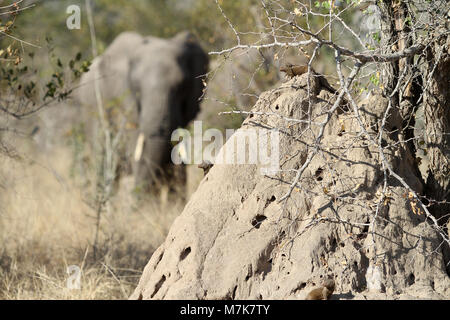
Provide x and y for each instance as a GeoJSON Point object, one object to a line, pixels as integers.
{"type": "Point", "coordinates": [256, 222]}
{"type": "Point", "coordinates": [185, 253]}
{"type": "Point", "coordinates": [158, 286]}
{"type": "Point", "coordinates": [318, 174]}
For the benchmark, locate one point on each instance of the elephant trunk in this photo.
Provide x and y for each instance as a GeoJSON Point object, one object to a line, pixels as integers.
{"type": "Point", "coordinates": [149, 161]}
{"type": "Point", "coordinates": [152, 149]}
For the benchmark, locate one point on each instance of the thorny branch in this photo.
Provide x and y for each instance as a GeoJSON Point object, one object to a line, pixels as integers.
{"type": "Point", "coordinates": [289, 27]}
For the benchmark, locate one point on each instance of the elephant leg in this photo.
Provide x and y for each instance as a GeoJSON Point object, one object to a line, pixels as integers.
{"type": "Point", "coordinates": [177, 178]}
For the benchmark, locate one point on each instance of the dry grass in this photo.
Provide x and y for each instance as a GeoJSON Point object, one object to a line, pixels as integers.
{"type": "Point", "coordinates": [46, 226]}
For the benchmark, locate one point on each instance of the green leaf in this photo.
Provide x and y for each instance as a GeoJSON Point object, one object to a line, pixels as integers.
{"type": "Point", "coordinates": [375, 80]}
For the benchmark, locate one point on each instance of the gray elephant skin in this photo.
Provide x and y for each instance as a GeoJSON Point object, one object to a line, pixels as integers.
{"type": "Point", "coordinates": [158, 83]}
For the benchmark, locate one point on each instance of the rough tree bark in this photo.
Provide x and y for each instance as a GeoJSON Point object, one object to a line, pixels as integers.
{"type": "Point", "coordinates": [437, 115]}
{"type": "Point", "coordinates": [424, 83]}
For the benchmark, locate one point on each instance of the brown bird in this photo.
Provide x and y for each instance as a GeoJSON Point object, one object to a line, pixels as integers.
{"type": "Point", "coordinates": [292, 70]}
{"type": "Point", "coordinates": [322, 293]}
{"type": "Point", "coordinates": [205, 165]}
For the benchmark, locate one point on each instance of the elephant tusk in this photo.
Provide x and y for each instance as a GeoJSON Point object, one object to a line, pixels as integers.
{"type": "Point", "coordinates": [182, 151]}
{"type": "Point", "coordinates": [139, 147]}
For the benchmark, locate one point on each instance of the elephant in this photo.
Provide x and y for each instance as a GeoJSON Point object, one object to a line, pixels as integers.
{"type": "Point", "coordinates": [158, 83]}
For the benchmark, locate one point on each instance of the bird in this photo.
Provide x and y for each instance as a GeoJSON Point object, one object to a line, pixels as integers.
{"type": "Point", "coordinates": [322, 293]}
{"type": "Point", "coordinates": [293, 70]}
{"type": "Point", "coordinates": [205, 165]}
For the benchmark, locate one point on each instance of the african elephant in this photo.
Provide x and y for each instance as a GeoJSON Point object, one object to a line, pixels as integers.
{"type": "Point", "coordinates": [159, 83]}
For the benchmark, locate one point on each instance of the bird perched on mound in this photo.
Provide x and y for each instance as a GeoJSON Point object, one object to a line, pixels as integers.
{"type": "Point", "coordinates": [323, 292]}
{"type": "Point", "coordinates": [205, 165]}
{"type": "Point", "coordinates": [292, 70]}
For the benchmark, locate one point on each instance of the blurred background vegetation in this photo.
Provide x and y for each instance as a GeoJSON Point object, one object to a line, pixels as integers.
{"type": "Point", "coordinates": [161, 18]}
{"type": "Point", "coordinates": [45, 25]}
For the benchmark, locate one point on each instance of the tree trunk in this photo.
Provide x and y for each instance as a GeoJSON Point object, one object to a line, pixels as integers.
{"type": "Point", "coordinates": [401, 80]}
{"type": "Point", "coordinates": [424, 84]}
{"type": "Point", "coordinates": [413, 84]}
{"type": "Point", "coordinates": [436, 103]}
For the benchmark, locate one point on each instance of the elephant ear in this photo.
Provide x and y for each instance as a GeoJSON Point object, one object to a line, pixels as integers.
{"type": "Point", "coordinates": [196, 63]}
